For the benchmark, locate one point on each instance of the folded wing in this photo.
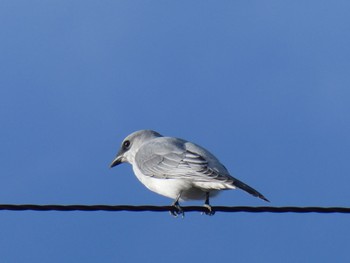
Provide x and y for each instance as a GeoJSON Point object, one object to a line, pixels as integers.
{"type": "Point", "coordinates": [171, 158]}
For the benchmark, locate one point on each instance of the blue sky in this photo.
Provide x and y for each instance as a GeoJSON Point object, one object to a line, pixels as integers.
{"type": "Point", "coordinates": [264, 85]}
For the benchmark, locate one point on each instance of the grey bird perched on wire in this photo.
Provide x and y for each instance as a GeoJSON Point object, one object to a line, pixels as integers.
{"type": "Point", "coordinates": [177, 169]}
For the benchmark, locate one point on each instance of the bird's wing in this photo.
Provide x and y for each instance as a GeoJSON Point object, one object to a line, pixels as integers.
{"type": "Point", "coordinates": [170, 158]}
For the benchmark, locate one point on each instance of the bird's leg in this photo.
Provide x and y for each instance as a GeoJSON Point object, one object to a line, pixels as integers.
{"type": "Point", "coordinates": [207, 205]}
{"type": "Point", "coordinates": [178, 208]}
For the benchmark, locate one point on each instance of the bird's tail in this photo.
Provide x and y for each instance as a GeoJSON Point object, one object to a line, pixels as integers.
{"type": "Point", "coordinates": [248, 189]}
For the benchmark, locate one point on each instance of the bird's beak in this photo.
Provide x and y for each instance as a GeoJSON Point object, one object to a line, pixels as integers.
{"type": "Point", "coordinates": [116, 161]}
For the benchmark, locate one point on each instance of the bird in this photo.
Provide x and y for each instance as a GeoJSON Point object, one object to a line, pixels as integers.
{"type": "Point", "coordinates": [177, 169]}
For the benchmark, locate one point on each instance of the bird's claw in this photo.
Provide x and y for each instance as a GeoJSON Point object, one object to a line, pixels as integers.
{"type": "Point", "coordinates": [210, 211]}
{"type": "Point", "coordinates": [177, 210]}
{"type": "Point", "coordinates": [206, 205]}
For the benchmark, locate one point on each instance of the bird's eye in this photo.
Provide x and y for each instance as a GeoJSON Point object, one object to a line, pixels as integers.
{"type": "Point", "coordinates": [126, 145]}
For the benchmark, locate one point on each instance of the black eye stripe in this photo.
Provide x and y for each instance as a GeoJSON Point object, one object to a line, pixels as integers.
{"type": "Point", "coordinates": [126, 144]}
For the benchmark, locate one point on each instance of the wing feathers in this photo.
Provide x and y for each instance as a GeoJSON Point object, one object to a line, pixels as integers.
{"type": "Point", "coordinates": [169, 158]}
{"type": "Point", "coordinates": [183, 165]}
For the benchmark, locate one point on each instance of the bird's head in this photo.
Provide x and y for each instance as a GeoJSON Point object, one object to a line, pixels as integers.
{"type": "Point", "coordinates": [131, 144]}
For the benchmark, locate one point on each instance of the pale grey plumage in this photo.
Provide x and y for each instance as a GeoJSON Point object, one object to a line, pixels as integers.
{"type": "Point", "coordinates": [176, 168]}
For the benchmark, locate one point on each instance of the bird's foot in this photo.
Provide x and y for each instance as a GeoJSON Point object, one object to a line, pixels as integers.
{"type": "Point", "coordinates": [177, 210]}
{"type": "Point", "coordinates": [210, 211]}
{"type": "Point", "coordinates": [207, 205]}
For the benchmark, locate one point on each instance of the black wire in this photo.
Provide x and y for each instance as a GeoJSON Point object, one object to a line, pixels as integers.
{"type": "Point", "coordinates": [150, 208]}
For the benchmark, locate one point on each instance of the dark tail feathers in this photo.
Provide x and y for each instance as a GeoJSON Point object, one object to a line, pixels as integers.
{"type": "Point", "coordinates": [248, 189]}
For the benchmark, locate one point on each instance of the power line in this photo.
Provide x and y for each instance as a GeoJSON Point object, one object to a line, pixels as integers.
{"type": "Point", "coordinates": [151, 208]}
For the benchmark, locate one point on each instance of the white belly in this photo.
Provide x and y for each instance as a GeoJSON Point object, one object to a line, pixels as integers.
{"type": "Point", "coordinates": [173, 187]}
